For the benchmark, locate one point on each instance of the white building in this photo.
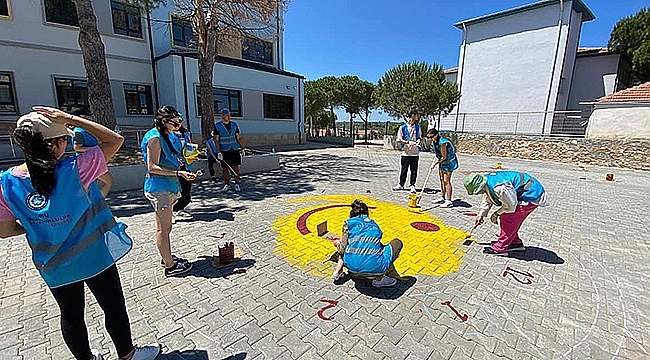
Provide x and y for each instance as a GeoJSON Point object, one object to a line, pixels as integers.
{"type": "Point", "coordinates": [41, 63]}
{"type": "Point", "coordinates": [623, 114]}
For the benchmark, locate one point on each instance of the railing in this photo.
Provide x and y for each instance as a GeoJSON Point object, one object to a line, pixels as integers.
{"type": "Point", "coordinates": [546, 123]}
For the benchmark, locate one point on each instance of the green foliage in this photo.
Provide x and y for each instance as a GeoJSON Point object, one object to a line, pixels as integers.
{"type": "Point", "coordinates": [631, 36]}
{"type": "Point", "coordinates": [315, 100]}
{"type": "Point", "coordinates": [356, 96]}
{"type": "Point", "coordinates": [416, 85]}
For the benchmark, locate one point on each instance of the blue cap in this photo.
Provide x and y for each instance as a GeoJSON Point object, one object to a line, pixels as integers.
{"type": "Point", "coordinates": [225, 111]}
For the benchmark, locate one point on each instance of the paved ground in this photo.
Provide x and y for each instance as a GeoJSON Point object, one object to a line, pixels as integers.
{"type": "Point", "coordinates": [581, 291]}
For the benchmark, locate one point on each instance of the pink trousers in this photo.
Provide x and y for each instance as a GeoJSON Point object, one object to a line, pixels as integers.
{"type": "Point", "coordinates": [510, 223]}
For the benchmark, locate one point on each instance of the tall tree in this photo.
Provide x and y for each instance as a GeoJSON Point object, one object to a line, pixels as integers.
{"type": "Point", "coordinates": [367, 104]}
{"type": "Point", "coordinates": [631, 36]}
{"type": "Point", "coordinates": [330, 88]}
{"type": "Point", "coordinates": [224, 22]}
{"type": "Point", "coordinates": [315, 101]}
{"type": "Point", "coordinates": [349, 92]}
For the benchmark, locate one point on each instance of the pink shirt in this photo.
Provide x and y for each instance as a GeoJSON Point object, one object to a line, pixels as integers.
{"type": "Point", "coordinates": [90, 164]}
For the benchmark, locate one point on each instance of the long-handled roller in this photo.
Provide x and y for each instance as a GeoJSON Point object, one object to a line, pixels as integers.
{"type": "Point", "coordinates": [426, 180]}
{"type": "Point", "coordinates": [414, 201]}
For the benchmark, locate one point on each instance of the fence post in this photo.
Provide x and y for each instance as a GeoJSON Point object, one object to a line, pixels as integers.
{"type": "Point", "coordinates": [516, 123]}
{"type": "Point", "coordinates": [456, 125]}
{"type": "Point", "coordinates": [463, 125]}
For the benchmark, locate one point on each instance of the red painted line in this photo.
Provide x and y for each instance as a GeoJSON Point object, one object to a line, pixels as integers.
{"type": "Point", "coordinates": [301, 224]}
{"type": "Point", "coordinates": [218, 237]}
{"type": "Point", "coordinates": [463, 318]}
{"type": "Point", "coordinates": [368, 192]}
{"type": "Point", "coordinates": [332, 303]}
{"type": "Point", "coordinates": [510, 271]}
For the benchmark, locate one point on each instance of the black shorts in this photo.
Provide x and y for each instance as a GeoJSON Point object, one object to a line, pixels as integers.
{"type": "Point", "coordinates": [231, 157]}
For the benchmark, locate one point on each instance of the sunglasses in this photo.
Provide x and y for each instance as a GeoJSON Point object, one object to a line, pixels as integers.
{"type": "Point", "coordinates": [174, 123]}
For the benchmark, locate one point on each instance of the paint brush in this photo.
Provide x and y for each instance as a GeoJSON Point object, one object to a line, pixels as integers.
{"type": "Point", "coordinates": [468, 238]}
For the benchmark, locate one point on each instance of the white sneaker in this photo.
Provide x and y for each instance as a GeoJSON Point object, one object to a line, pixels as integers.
{"type": "Point", "coordinates": [96, 354]}
{"type": "Point", "coordinates": [398, 187]}
{"type": "Point", "coordinates": [440, 201]}
{"type": "Point", "coordinates": [413, 189]}
{"type": "Point", "coordinates": [384, 282]}
{"type": "Point", "coordinates": [447, 204]}
{"type": "Point", "coordinates": [225, 188]}
{"type": "Point", "coordinates": [337, 275]}
{"type": "Point", "coordinates": [237, 188]}
{"type": "Point", "coordinates": [182, 214]}
{"type": "Point", "coordinates": [148, 352]}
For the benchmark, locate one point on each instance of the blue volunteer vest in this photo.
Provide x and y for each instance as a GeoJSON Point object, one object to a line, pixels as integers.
{"type": "Point", "coordinates": [227, 140]}
{"type": "Point", "coordinates": [213, 147]}
{"type": "Point", "coordinates": [365, 253]}
{"type": "Point", "coordinates": [73, 234]}
{"type": "Point", "coordinates": [88, 140]}
{"type": "Point", "coordinates": [451, 163]}
{"type": "Point", "coordinates": [528, 188]}
{"type": "Point", "coordinates": [405, 133]}
{"type": "Point", "coordinates": [168, 160]}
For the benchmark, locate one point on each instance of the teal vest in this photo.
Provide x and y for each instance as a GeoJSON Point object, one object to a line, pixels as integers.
{"type": "Point", "coordinates": [168, 160]}
{"type": "Point", "coordinates": [365, 253]}
{"type": "Point", "coordinates": [227, 140]}
{"type": "Point", "coordinates": [405, 133]}
{"type": "Point", "coordinates": [528, 188]}
{"type": "Point", "coordinates": [451, 163]}
{"type": "Point", "coordinates": [213, 147]}
{"type": "Point", "coordinates": [73, 234]}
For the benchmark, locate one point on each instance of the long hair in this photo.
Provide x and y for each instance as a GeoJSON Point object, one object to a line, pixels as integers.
{"type": "Point", "coordinates": [39, 157]}
{"type": "Point", "coordinates": [358, 208]}
{"type": "Point", "coordinates": [163, 114]}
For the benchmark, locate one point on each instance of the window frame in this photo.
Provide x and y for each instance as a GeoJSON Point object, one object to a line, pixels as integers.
{"type": "Point", "coordinates": [147, 93]}
{"type": "Point", "coordinates": [8, 16]}
{"type": "Point", "coordinates": [293, 106]}
{"type": "Point", "coordinates": [74, 80]}
{"type": "Point", "coordinates": [59, 23]}
{"type": "Point", "coordinates": [171, 32]}
{"type": "Point", "coordinates": [128, 31]}
{"type": "Point", "coordinates": [14, 94]}
{"type": "Point", "coordinates": [236, 114]}
{"type": "Point", "coordinates": [270, 43]}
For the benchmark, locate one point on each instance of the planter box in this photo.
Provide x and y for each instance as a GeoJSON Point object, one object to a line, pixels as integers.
{"type": "Point", "coordinates": [131, 177]}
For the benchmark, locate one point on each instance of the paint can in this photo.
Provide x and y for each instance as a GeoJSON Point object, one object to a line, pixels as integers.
{"type": "Point", "coordinates": [227, 253]}
{"type": "Point", "coordinates": [498, 166]}
{"type": "Point", "coordinates": [609, 177]}
{"type": "Point", "coordinates": [413, 200]}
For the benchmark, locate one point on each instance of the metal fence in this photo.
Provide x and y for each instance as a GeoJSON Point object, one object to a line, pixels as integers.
{"type": "Point", "coordinates": [553, 123]}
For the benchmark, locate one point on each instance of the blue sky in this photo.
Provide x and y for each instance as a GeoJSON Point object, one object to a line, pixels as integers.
{"type": "Point", "coordinates": [368, 37]}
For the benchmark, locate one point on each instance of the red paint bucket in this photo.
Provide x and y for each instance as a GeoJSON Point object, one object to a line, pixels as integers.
{"type": "Point", "coordinates": [609, 177]}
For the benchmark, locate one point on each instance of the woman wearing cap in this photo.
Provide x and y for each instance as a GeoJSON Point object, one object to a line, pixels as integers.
{"type": "Point", "coordinates": [447, 163]}
{"type": "Point", "coordinates": [72, 233]}
{"type": "Point", "coordinates": [161, 185]}
{"type": "Point", "coordinates": [516, 194]}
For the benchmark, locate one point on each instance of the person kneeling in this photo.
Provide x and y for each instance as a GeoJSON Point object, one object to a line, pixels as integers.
{"type": "Point", "coordinates": [360, 249]}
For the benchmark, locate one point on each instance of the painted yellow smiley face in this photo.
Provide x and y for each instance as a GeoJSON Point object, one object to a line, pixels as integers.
{"type": "Point", "coordinates": [430, 248]}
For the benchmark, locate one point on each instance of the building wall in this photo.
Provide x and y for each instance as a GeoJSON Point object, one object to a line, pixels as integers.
{"type": "Point", "coordinates": [568, 64]}
{"type": "Point", "coordinates": [588, 78]}
{"type": "Point", "coordinates": [612, 120]}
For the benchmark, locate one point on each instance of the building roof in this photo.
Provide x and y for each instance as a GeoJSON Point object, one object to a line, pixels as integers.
{"type": "Point", "coordinates": [578, 6]}
{"type": "Point", "coordinates": [639, 93]}
{"type": "Point", "coordinates": [452, 70]}
{"type": "Point", "coordinates": [598, 50]}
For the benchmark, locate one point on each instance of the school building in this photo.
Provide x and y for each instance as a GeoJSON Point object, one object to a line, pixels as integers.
{"type": "Point", "coordinates": [152, 61]}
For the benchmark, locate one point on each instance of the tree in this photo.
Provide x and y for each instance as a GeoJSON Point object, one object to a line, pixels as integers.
{"type": "Point", "coordinates": [367, 104]}
{"type": "Point", "coordinates": [330, 88]}
{"type": "Point", "coordinates": [415, 85]}
{"type": "Point", "coordinates": [219, 23]}
{"type": "Point", "coordinates": [349, 91]}
{"type": "Point", "coordinates": [315, 101]}
{"type": "Point", "coordinates": [631, 37]}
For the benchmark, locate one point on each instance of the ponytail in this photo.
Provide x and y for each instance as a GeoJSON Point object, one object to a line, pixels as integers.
{"type": "Point", "coordinates": [39, 157]}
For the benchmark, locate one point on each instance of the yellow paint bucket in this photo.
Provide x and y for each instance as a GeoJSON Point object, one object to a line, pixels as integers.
{"type": "Point", "coordinates": [413, 200]}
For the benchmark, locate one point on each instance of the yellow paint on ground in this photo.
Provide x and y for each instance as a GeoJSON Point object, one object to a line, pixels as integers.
{"type": "Point", "coordinates": [427, 253]}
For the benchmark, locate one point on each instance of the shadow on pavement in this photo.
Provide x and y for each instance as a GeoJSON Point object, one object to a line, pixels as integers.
{"type": "Point", "coordinates": [539, 254]}
{"type": "Point", "coordinates": [364, 286]}
{"type": "Point", "coordinates": [189, 355]}
{"type": "Point", "coordinates": [203, 268]}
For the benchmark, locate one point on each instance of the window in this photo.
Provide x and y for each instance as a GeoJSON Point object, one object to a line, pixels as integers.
{"type": "Point", "coordinates": [257, 50]}
{"type": "Point", "coordinates": [182, 33]}
{"type": "Point", "coordinates": [126, 20]}
{"type": "Point", "coordinates": [4, 8]}
{"type": "Point", "coordinates": [71, 94]}
{"type": "Point", "coordinates": [61, 12]}
{"type": "Point", "coordinates": [138, 99]}
{"type": "Point", "coordinates": [223, 98]}
{"type": "Point", "coordinates": [7, 95]}
{"type": "Point", "coordinates": [278, 107]}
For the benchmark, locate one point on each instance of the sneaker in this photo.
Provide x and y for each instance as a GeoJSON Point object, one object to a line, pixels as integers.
{"type": "Point", "coordinates": [447, 204]}
{"type": "Point", "coordinates": [413, 189]}
{"type": "Point", "coordinates": [398, 187]}
{"type": "Point", "coordinates": [183, 214]}
{"type": "Point", "coordinates": [225, 188]}
{"type": "Point", "coordinates": [337, 275]}
{"type": "Point", "coordinates": [148, 352]}
{"type": "Point", "coordinates": [490, 251]}
{"type": "Point", "coordinates": [175, 258]}
{"type": "Point", "coordinates": [179, 268]}
{"type": "Point", "coordinates": [96, 354]}
{"type": "Point", "coordinates": [384, 282]}
{"type": "Point", "coordinates": [440, 201]}
{"type": "Point", "coordinates": [513, 247]}
{"type": "Point", "coordinates": [237, 188]}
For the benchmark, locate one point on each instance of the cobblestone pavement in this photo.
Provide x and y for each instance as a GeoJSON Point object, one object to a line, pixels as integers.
{"type": "Point", "coordinates": [580, 291]}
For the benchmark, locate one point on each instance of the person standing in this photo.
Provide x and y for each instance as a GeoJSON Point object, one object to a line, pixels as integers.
{"type": "Point", "coordinates": [70, 229]}
{"type": "Point", "coordinates": [447, 163]}
{"type": "Point", "coordinates": [161, 186]}
{"type": "Point", "coordinates": [228, 142]}
{"type": "Point", "coordinates": [182, 138]}
{"type": "Point", "coordinates": [84, 141]}
{"type": "Point", "coordinates": [516, 194]}
{"type": "Point", "coordinates": [408, 137]}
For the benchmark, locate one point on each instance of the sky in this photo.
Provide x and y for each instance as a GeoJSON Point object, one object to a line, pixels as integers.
{"type": "Point", "coordinates": [368, 37]}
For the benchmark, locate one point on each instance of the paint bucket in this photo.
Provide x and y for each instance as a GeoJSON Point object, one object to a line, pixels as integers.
{"type": "Point", "coordinates": [609, 177]}
{"type": "Point", "coordinates": [227, 253]}
{"type": "Point", "coordinates": [498, 166]}
{"type": "Point", "coordinates": [413, 200]}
